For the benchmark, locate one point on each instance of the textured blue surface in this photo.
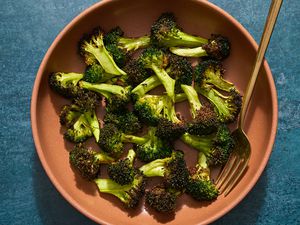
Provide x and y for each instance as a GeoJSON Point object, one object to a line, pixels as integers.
{"type": "Point", "coordinates": [28, 27]}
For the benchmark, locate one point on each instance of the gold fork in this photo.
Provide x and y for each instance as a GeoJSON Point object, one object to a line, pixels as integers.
{"type": "Point", "coordinates": [238, 160]}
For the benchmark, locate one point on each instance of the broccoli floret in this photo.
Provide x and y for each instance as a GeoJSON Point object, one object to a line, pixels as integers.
{"type": "Point", "coordinates": [93, 50]}
{"type": "Point", "coordinates": [211, 72]}
{"type": "Point", "coordinates": [136, 73]}
{"type": "Point", "coordinates": [144, 87]}
{"type": "Point", "coordinates": [112, 139]}
{"type": "Point", "coordinates": [156, 60]}
{"type": "Point", "coordinates": [173, 169]}
{"type": "Point", "coordinates": [87, 161]}
{"type": "Point", "coordinates": [205, 120]}
{"type": "Point", "coordinates": [125, 121]}
{"type": "Point", "coordinates": [116, 36]}
{"type": "Point", "coordinates": [153, 148]}
{"type": "Point", "coordinates": [129, 194]}
{"type": "Point", "coordinates": [119, 55]}
{"type": "Point", "coordinates": [123, 171]}
{"type": "Point", "coordinates": [65, 84]}
{"type": "Point", "coordinates": [149, 108]}
{"type": "Point", "coordinates": [169, 126]}
{"type": "Point", "coordinates": [218, 47]}
{"type": "Point", "coordinates": [96, 74]}
{"type": "Point", "coordinates": [216, 147]}
{"type": "Point", "coordinates": [181, 70]}
{"type": "Point", "coordinates": [162, 199]}
{"type": "Point", "coordinates": [80, 118]}
{"type": "Point", "coordinates": [200, 186]}
{"type": "Point", "coordinates": [116, 97]}
{"type": "Point", "coordinates": [166, 32]}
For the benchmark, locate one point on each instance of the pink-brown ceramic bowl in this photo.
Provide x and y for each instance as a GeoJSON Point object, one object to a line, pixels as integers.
{"type": "Point", "coordinates": [135, 18]}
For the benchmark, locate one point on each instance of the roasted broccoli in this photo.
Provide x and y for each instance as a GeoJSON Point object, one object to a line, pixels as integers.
{"type": "Point", "coordinates": [136, 73]}
{"type": "Point", "coordinates": [156, 60]}
{"type": "Point", "coordinates": [200, 186]}
{"type": "Point", "coordinates": [162, 199]}
{"type": "Point", "coordinates": [93, 50]}
{"type": "Point", "coordinates": [125, 121]}
{"type": "Point", "coordinates": [172, 168]}
{"type": "Point", "coordinates": [217, 146]}
{"type": "Point", "coordinates": [205, 120]}
{"type": "Point", "coordinates": [96, 74]}
{"type": "Point", "coordinates": [153, 148]}
{"type": "Point", "coordinates": [87, 161]}
{"type": "Point", "coordinates": [65, 84]}
{"type": "Point", "coordinates": [165, 32]}
{"type": "Point", "coordinates": [144, 87]}
{"type": "Point", "coordinates": [80, 117]}
{"type": "Point", "coordinates": [112, 139]}
{"type": "Point", "coordinates": [116, 36]}
{"type": "Point", "coordinates": [116, 97]}
{"type": "Point", "coordinates": [129, 194]}
{"type": "Point", "coordinates": [217, 47]}
{"type": "Point", "coordinates": [123, 171]}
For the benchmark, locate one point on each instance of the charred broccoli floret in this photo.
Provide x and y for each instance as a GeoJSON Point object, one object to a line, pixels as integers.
{"type": "Point", "coordinates": [87, 161]}
{"type": "Point", "coordinates": [112, 139]}
{"type": "Point", "coordinates": [153, 148]}
{"type": "Point", "coordinates": [218, 47]}
{"type": "Point", "coordinates": [123, 171]}
{"type": "Point", "coordinates": [156, 60]}
{"type": "Point", "coordinates": [211, 72]}
{"type": "Point", "coordinates": [136, 73]}
{"type": "Point", "coordinates": [200, 186]}
{"type": "Point", "coordinates": [125, 121]}
{"type": "Point", "coordinates": [116, 36]}
{"type": "Point", "coordinates": [93, 50]}
{"type": "Point", "coordinates": [129, 194]}
{"type": "Point", "coordinates": [116, 97]}
{"type": "Point", "coordinates": [173, 169]}
{"type": "Point", "coordinates": [80, 118]}
{"type": "Point", "coordinates": [165, 32]}
{"type": "Point", "coordinates": [162, 199]}
{"type": "Point", "coordinates": [65, 84]}
{"type": "Point", "coordinates": [205, 120]}
{"type": "Point", "coordinates": [216, 147]}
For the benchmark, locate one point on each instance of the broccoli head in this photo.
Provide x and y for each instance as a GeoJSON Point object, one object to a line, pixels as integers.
{"type": "Point", "coordinates": [217, 47]}
{"type": "Point", "coordinates": [96, 74]}
{"type": "Point", "coordinates": [123, 171]}
{"type": "Point", "coordinates": [172, 169]}
{"type": "Point", "coordinates": [161, 199]}
{"type": "Point", "coordinates": [87, 161]}
{"type": "Point", "coordinates": [65, 84]}
{"type": "Point", "coordinates": [153, 148]}
{"type": "Point", "coordinates": [216, 147]}
{"type": "Point", "coordinates": [165, 32]}
{"type": "Point", "coordinates": [92, 48]}
{"type": "Point", "coordinates": [200, 186]}
{"type": "Point", "coordinates": [136, 73]}
{"type": "Point", "coordinates": [129, 194]}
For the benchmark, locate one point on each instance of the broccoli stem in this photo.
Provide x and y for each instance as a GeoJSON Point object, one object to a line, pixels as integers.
{"type": "Point", "coordinates": [111, 187]}
{"type": "Point", "coordinates": [193, 99]}
{"type": "Point", "coordinates": [103, 57]}
{"type": "Point", "coordinates": [200, 143]}
{"type": "Point", "coordinates": [131, 155]}
{"type": "Point", "coordinates": [170, 112]}
{"type": "Point", "coordinates": [185, 40]}
{"type": "Point", "coordinates": [103, 158]}
{"type": "Point", "coordinates": [216, 79]}
{"type": "Point", "coordinates": [147, 85]}
{"type": "Point", "coordinates": [180, 97]}
{"type": "Point", "coordinates": [154, 168]}
{"type": "Point", "coordinates": [92, 120]}
{"type": "Point", "coordinates": [104, 89]}
{"type": "Point", "coordinates": [73, 78]}
{"type": "Point", "coordinates": [166, 80]}
{"type": "Point", "coordinates": [130, 44]}
{"type": "Point", "coordinates": [188, 52]}
{"type": "Point", "coordinates": [133, 139]}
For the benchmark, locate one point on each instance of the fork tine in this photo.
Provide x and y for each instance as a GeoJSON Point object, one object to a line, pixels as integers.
{"type": "Point", "coordinates": [225, 171]}
{"type": "Point", "coordinates": [233, 171]}
{"type": "Point", "coordinates": [236, 178]}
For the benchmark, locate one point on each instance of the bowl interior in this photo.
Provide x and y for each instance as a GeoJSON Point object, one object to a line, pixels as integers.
{"type": "Point", "coordinates": [135, 18]}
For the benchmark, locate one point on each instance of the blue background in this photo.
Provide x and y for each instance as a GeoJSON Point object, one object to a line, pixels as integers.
{"type": "Point", "coordinates": [27, 196]}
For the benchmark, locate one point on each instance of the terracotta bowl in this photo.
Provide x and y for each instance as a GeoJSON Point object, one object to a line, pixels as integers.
{"type": "Point", "coordinates": [135, 17]}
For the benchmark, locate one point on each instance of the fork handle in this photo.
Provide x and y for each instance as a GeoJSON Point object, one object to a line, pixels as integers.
{"type": "Point", "coordinates": [269, 26]}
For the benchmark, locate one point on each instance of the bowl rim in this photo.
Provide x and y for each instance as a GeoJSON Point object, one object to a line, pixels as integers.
{"type": "Point", "coordinates": [34, 125]}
